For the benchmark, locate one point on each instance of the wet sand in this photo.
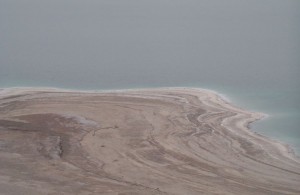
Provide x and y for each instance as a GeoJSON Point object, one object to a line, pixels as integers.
{"type": "Point", "coordinates": [152, 141]}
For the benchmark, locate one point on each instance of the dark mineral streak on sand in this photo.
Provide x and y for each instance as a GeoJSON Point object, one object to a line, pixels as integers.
{"type": "Point", "coordinates": [154, 141]}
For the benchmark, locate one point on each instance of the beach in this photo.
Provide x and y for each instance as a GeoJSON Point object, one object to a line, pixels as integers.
{"type": "Point", "coordinates": [143, 141]}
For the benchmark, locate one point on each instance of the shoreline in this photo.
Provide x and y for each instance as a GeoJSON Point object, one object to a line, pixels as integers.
{"type": "Point", "coordinates": [139, 140]}
{"type": "Point", "coordinates": [220, 96]}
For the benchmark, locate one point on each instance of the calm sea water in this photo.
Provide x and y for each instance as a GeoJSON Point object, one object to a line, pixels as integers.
{"type": "Point", "coordinates": [248, 50]}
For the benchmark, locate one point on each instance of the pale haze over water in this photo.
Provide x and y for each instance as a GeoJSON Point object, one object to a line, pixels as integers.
{"type": "Point", "coordinates": [248, 50]}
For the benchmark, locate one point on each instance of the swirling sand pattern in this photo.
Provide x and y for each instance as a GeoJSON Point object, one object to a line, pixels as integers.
{"type": "Point", "coordinates": [154, 141]}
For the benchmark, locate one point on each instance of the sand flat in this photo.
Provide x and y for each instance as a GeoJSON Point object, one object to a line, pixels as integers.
{"type": "Point", "coordinates": [146, 141]}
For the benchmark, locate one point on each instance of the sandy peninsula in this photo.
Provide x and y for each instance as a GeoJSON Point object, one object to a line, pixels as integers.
{"type": "Point", "coordinates": [182, 141]}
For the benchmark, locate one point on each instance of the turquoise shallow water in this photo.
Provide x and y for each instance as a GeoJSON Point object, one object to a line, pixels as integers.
{"type": "Point", "coordinates": [247, 50]}
{"type": "Point", "coordinates": [282, 108]}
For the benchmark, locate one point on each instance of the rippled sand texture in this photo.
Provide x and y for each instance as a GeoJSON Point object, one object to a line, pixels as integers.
{"type": "Point", "coordinates": [156, 141]}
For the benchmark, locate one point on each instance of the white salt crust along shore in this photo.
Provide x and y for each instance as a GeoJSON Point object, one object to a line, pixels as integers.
{"type": "Point", "coordinates": [139, 141]}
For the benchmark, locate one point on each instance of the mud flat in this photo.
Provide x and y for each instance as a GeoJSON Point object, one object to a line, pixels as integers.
{"type": "Point", "coordinates": [154, 141]}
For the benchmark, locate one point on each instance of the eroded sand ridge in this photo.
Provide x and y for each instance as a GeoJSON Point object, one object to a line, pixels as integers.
{"type": "Point", "coordinates": [155, 141]}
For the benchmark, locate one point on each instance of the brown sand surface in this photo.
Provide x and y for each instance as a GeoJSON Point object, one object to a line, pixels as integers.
{"type": "Point", "coordinates": [154, 141]}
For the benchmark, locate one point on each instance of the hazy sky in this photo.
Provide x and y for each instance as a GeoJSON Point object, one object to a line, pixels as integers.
{"type": "Point", "coordinates": [124, 43]}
